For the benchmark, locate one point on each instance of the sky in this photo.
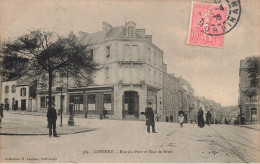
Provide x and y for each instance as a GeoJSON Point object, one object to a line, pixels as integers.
{"type": "Point", "coordinates": [212, 72]}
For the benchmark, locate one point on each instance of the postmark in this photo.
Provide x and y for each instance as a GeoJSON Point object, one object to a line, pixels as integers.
{"type": "Point", "coordinates": [233, 15]}
{"type": "Point", "coordinates": [210, 21]}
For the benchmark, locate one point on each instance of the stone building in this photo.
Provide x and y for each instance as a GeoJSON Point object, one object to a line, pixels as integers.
{"type": "Point", "coordinates": [171, 87]}
{"type": "Point", "coordinates": [16, 95]}
{"type": "Point", "coordinates": [186, 96]}
{"type": "Point", "coordinates": [131, 75]}
{"type": "Point", "coordinates": [249, 104]}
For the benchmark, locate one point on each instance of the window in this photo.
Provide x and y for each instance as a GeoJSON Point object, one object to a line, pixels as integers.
{"type": "Point", "coordinates": [91, 101]}
{"type": "Point", "coordinates": [127, 52]}
{"type": "Point", "coordinates": [154, 54]}
{"type": "Point", "coordinates": [149, 55]}
{"type": "Point", "coordinates": [6, 89]}
{"type": "Point", "coordinates": [47, 100]}
{"type": "Point", "coordinates": [131, 31]}
{"type": "Point", "coordinates": [107, 101]}
{"type": "Point", "coordinates": [6, 101]}
{"type": "Point", "coordinates": [107, 73]}
{"type": "Point", "coordinates": [108, 52]}
{"type": "Point", "coordinates": [254, 111]}
{"type": "Point", "coordinates": [23, 92]}
{"type": "Point", "coordinates": [13, 89]}
{"type": "Point", "coordinates": [43, 102]}
{"type": "Point", "coordinates": [134, 52]}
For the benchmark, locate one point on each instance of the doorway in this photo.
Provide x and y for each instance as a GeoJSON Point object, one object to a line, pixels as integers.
{"type": "Point", "coordinates": [130, 103]}
{"type": "Point", "coordinates": [23, 104]}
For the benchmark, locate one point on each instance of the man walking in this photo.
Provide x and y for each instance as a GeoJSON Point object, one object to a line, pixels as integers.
{"type": "Point", "coordinates": [52, 117]}
{"type": "Point", "coordinates": [150, 118]}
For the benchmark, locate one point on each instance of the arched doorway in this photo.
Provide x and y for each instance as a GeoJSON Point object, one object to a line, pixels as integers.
{"type": "Point", "coordinates": [130, 104]}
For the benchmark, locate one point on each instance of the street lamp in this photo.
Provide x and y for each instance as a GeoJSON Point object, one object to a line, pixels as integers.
{"type": "Point", "coordinates": [71, 120]}
{"type": "Point", "coordinates": [61, 104]}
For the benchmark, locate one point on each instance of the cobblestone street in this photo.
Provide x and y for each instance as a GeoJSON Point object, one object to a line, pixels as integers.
{"type": "Point", "coordinates": [93, 140]}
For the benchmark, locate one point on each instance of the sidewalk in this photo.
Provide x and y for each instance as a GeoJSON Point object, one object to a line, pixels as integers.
{"type": "Point", "coordinates": [34, 123]}
{"type": "Point", "coordinates": [253, 126]}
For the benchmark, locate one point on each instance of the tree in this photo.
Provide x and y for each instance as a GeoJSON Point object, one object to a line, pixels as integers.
{"type": "Point", "coordinates": [46, 54]}
{"type": "Point", "coordinates": [253, 70]}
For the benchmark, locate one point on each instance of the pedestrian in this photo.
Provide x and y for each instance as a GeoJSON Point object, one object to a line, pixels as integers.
{"type": "Point", "coordinates": [7, 106]}
{"type": "Point", "coordinates": [208, 118]}
{"type": "Point", "coordinates": [226, 121]}
{"type": "Point", "coordinates": [181, 117]}
{"type": "Point", "coordinates": [201, 122]}
{"type": "Point", "coordinates": [171, 118]}
{"type": "Point", "coordinates": [104, 113]}
{"type": "Point", "coordinates": [150, 118]}
{"type": "Point", "coordinates": [242, 120]}
{"type": "Point", "coordinates": [167, 119]}
{"type": "Point", "coordinates": [158, 118]}
{"type": "Point", "coordinates": [52, 117]}
{"type": "Point", "coordinates": [1, 113]}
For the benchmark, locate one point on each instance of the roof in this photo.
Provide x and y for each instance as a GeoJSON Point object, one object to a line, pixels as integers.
{"type": "Point", "coordinates": [114, 33]}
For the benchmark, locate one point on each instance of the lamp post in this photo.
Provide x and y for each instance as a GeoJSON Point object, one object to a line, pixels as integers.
{"type": "Point", "coordinates": [61, 104]}
{"type": "Point", "coordinates": [71, 120]}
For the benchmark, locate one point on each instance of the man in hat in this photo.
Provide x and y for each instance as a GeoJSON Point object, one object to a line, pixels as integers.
{"type": "Point", "coordinates": [150, 118]}
{"type": "Point", "coordinates": [52, 117]}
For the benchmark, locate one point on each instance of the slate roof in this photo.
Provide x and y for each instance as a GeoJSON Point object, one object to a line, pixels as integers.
{"type": "Point", "coordinates": [115, 32]}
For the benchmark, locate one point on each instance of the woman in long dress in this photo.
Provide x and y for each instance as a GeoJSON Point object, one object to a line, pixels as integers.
{"type": "Point", "coordinates": [200, 118]}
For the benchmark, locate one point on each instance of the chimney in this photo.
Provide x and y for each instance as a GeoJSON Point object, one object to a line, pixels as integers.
{"type": "Point", "coordinates": [106, 27]}
{"type": "Point", "coordinates": [140, 32]}
{"type": "Point", "coordinates": [149, 38]}
{"type": "Point", "coordinates": [82, 34]}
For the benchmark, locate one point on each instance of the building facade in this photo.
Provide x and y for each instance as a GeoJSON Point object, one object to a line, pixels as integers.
{"type": "Point", "coordinates": [131, 75]}
{"type": "Point", "coordinates": [171, 87]}
{"type": "Point", "coordinates": [186, 94]}
{"type": "Point", "coordinates": [15, 96]}
{"type": "Point", "coordinates": [249, 102]}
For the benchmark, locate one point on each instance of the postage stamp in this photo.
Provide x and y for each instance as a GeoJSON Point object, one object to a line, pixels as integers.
{"type": "Point", "coordinates": [210, 21]}
{"type": "Point", "coordinates": [206, 19]}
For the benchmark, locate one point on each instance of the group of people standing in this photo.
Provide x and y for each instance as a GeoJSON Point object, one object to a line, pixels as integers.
{"type": "Point", "coordinates": [201, 121]}
{"type": "Point", "coordinates": [150, 118]}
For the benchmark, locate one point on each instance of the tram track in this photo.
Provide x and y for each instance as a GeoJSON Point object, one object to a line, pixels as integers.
{"type": "Point", "coordinates": [227, 145]}
{"type": "Point", "coordinates": [231, 131]}
{"type": "Point", "coordinates": [233, 148]}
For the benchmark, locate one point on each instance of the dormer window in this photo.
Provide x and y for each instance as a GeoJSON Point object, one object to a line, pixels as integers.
{"type": "Point", "coordinates": [131, 31]}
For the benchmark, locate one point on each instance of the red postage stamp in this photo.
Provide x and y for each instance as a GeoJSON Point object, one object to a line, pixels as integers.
{"type": "Point", "coordinates": [207, 24]}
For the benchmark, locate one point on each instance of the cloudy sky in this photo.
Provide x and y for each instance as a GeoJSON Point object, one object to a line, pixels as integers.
{"type": "Point", "coordinates": [213, 72]}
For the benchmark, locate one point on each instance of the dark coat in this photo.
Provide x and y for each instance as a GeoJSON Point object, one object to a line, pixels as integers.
{"type": "Point", "coordinates": [201, 121]}
{"type": "Point", "coordinates": [1, 111]}
{"type": "Point", "coordinates": [149, 116]}
{"type": "Point", "coordinates": [52, 115]}
{"type": "Point", "coordinates": [208, 117]}
{"type": "Point", "coordinates": [171, 118]}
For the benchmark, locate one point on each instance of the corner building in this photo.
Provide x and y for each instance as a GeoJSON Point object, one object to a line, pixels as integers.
{"type": "Point", "coordinates": [131, 74]}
